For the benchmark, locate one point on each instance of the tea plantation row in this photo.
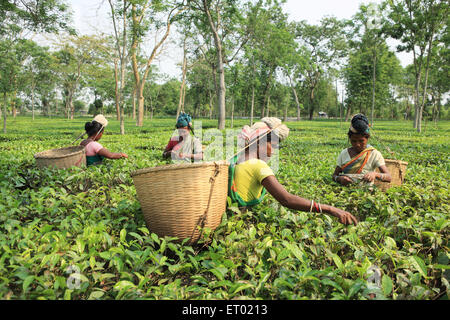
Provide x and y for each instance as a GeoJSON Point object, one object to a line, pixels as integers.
{"type": "Point", "coordinates": [80, 233]}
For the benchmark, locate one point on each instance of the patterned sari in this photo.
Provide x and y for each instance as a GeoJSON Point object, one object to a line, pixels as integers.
{"type": "Point", "coordinates": [357, 163]}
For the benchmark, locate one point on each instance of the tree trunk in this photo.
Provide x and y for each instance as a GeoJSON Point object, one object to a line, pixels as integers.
{"type": "Point", "coordinates": [295, 97]}
{"type": "Point", "coordinates": [252, 108]}
{"type": "Point", "coordinates": [134, 102]}
{"type": "Point", "coordinates": [183, 81]}
{"type": "Point", "coordinates": [122, 124]}
{"type": "Point", "coordinates": [13, 104]}
{"type": "Point", "coordinates": [210, 105]}
{"type": "Point", "coordinates": [32, 98]}
{"type": "Point", "coordinates": [373, 86]}
{"type": "Point", "coordinates": [427, 67]}
{"type": "Point", "coordinates": [349, 111]}
{"type": "Point", "coordinates": [116, 88]}
{"type": "Point", "coordinates": [220, 68]}
{"type": "Point", "coordinates": [232, 112]}
{"type": "Point", "coordinates": [311, 104]}
{"type": "Point", "coordinates": [5, 102]}
{"type": "Point", "coordinates": [266, 94]}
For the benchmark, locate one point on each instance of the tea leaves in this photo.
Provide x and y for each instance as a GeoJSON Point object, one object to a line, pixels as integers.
{"type": "Point", "coordinates": [80, 233]}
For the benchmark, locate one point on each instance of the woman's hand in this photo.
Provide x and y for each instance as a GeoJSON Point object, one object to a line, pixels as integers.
{"type": "Point", "coordinates": [344, 180]}
{"type": "Point", "coordinates": [343, 216]}
{"type": "Point", "coordinates": [124, 155]}
{"type": "Point", "coordinates": [184, 156]}
{"type": "Point", "coordinates": [370, 176]}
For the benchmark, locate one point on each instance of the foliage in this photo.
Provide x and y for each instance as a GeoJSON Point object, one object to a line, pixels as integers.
{"type": "Point", "coordinates": [35, 15]}
{"type": "Point", "coordinates": [80, 233]}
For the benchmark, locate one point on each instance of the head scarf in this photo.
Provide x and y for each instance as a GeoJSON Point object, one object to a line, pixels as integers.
{"type": "Point", "coordinates": [259, 128]}
{"type": "Point", "coordinates": [184, 120]}
{"type": "Point", "coordinates": [101, 119]}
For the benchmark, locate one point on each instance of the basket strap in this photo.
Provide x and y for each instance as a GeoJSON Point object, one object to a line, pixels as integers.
{"type": "Point", "coordinates": [202, 219]}
{"type": "Point", "coordinates": [79, 161]}
{"type": "Point", "coordinates": [372, 134]}
{"type": "Point", "coordinates": [400, 172]}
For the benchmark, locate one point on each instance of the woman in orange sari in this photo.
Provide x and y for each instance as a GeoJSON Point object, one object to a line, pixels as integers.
{"type": "Point", "coordinates": [359, 162]}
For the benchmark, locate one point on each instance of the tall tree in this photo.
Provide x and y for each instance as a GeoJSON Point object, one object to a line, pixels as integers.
{"type": "Point", "coordinates": [144, 16]}
{"type": "Point", "coordinates": [367, 32]}
{"type": "Point", "coordinates": [223, 19]}
{"type": "Point", "coordinates": [119, 13]}
{"type": "Point", "coordinates": [36, 15]}
{"type": "Point", "coordinates": [324, 44]}
{"type": "Point", "coordinates": [76, 53]}
{"type": "Point", "coordinates": [417, 24]}
{"type": "Point", "coordinates": [359, 78]}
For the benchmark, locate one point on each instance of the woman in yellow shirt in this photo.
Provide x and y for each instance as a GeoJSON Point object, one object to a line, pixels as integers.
{"type": "Point", "coordinates": [250, 175]}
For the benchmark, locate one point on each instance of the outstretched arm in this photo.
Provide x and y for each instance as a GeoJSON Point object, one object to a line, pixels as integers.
{"type": "Point", "coordinates": [111, 155]}
{"type": "Point", "coordinates": [288, 200]}
{"type": "Point", "coordinates": [383, 175]}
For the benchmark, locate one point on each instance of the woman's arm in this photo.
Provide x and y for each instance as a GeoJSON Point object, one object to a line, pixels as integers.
{"type": "Point", "coordinates": [192, 156]}
{"type": "Point", "coordinates": [383, 175]}
{"type": "Point", "coordinates": [111, 155]}
{"type": "Point", "coordinates": [288, 200]}
{"type": "Point", "coordinates": [344, 180]}
{"type": "Point", "coordinates": [167, 153]}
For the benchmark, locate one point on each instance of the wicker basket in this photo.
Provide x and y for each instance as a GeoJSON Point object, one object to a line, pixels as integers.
{"type": "Point", "coordinates": [177, 199]}
{"type": "Point", "coordinates": [61, 158]}
{"type": "Point", "coordinates": [397, 169]}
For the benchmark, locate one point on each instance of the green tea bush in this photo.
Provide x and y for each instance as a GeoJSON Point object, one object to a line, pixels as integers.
{"type": "Point", "coordinates": [80, 234]}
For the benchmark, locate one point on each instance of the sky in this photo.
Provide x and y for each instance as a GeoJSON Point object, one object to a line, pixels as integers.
{"type": "Point", "coordinates": [92, 15]}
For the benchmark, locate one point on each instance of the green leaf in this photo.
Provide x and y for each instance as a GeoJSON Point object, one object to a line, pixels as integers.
{"type": "Point", "coordinates": [441, 266]}
{"type": "Point", "coordinates": [123, 285]}
{"type": "Point", "coordinates": [419, 265]}
{"type": "Point", "coordinates": [219, 272]}
{"type": "Point", "coordinates": [386, 284]}
{"type": "Point", "coordinates": [155, 238]}
{"type": "Point", "coordinates": [338, 262]}
{"type": "Point", "coordinates": [390, 243]}
{"type": "Point", "coordinates": [92, 262]}
{"type": "Point", "coordinates": [241, 287]}
{"type": "Point", "coordinates": [67, 294]}
{"type": "Point", "coordinates": [329, 282]}
{"type": "Point", "coordinates": [96, 295]}
{"type": "Point", "coordinates": [26, 283]}
{"type": "Point", "coordinates": [123, 235]}
{"type": "Point", "coordinates": [295, 250]}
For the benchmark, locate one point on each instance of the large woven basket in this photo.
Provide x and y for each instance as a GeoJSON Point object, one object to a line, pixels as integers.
{"type": "Point", "coordinates": [397, 169]}
{"type": "Point", "coordinates": [177, 199]}
{"type": "Point", "coordinates": [61, 158]}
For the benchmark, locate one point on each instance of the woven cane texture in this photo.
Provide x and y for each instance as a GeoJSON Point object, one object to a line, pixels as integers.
{"type": "Point", "coordinates": [61, 158]}
{"type": "Point", "coordinates": [397, 169]}
{"type": "Point", "coordinates": [177, 199]}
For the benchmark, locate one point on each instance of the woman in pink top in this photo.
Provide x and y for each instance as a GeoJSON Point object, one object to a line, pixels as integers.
{"type": "Point", "coordinates": [95, 152]}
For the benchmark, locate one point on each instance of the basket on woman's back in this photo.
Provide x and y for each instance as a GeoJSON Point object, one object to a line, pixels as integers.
{"type": "Point", "coordinates": [397, 169]}
{"type": "Point", "coordinates": [178, 200]}
{"type": "Point", "coordinates": [61, 158]}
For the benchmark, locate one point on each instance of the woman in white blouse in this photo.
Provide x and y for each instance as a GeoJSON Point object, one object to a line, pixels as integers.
{"type": "Point", "coordinates": [359, 162]}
